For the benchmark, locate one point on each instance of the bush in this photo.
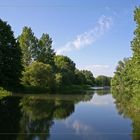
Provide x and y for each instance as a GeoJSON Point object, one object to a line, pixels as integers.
{"type": "Point", "coordinates": [38, 74]}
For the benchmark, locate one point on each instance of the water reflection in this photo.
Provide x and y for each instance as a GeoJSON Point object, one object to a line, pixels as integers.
{"type": "Point", "coordinates": [78, 127]}
{"type": "Point", "coordinates": [9, 117]}
{"type": "Point", "coordinates": [31, 117]}
{"type": "Point", "coordinates": [129, 110]}
{"type": "Point", "coordinates": [39, 117]}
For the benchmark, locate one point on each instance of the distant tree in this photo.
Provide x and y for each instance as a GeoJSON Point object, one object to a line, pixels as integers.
{"type": "Point", "coordinates": [89, 78]}
{"type": "Point", "coordinates": [29, 46]}
{"type": "Point", "coordinates": [10, 57]}
{"type": "Point", "coordinates": [38, 74]}
{"type": "Point", "coordinates": [66, 67]}
{"type": "Point", "coordinates": [79, 77]}
{"type": "Point", "coordinates": [103, 80]}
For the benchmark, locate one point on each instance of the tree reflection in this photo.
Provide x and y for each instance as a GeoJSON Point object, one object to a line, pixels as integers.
{"type": "Point", "coordinates": [31, 117]}
{"type": "Point", "coordinates": [129, 109]}
{"type": "Point", "coordinates": [102, 91]}
{"type": "Point", "coordinates": [39, 113]}
{"type": "Point", "coordinates": [9, 117]}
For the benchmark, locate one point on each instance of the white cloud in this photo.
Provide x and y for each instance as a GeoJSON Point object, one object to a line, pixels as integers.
{"type": "Point", "coordinates": [97, 69]}
{"type": "Point", "coordinates": [92, 67]}
{"type": "Point", "coordinates": [78, 126]}
{"type": "Point", "coordinates": [89, 37]}
{"type": "Point", "coordinates": [101, 100]}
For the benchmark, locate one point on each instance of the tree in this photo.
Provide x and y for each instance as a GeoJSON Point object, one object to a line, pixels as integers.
{"type": "Point", "coordinates": [79, 77]}
{"type": "Point", "coordinates": [66, 67]}
{"type": "Point", "coordinates": [89, 78]}
{"type": "Point", "coordinates": [58, 80]}
{"type": "Point", "coordinates": [45, 52]}
{"type": "Point", "coordinates": [102, 80]}
{"type": "Point", "coordinates": [29, 46]}
{"type": "Point", "coordinates": [34, 49]}
{"type": "Point", "coordinates": [84, 77]}
{"type": "Point", "coordinates": [38, 74]}
{"type": "Point", "coordinates": [122, 79]}
{"type": "Point", "coordinates": [135, 45]}
{"type": "Point", "coordinates": [126, 80]}
{"type": "Point", "coordinates": [127, 75]}
{"type": "Point", "coordinates": [10, 57]}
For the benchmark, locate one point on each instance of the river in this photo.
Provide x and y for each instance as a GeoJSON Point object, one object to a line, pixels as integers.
{"type": "Point", "coordinates": [86, 116]}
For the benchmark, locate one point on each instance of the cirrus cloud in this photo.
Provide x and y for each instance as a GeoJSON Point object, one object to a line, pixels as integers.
{"type": "Point", "coordinates": [87, 38]}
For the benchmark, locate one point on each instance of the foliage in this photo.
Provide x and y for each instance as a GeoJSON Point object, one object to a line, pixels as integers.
{"type": "Point", "coordinates": [84, 77]}
{"type": "Point", "coordinates": [89, 79]}
{"type": "Point", "coordinates": [38, 74]}
{"type": "Point", "coordinates": [66, 67]}
{"type": "Point", "coordinates": [45, 52]}
{"type": "Point", "coordinates": [58, 80]}
{"type": "Point", "coordinates": [34, 49]}
{"type": "Point", "coordinates": [126, 81]}
{"type": "Point", "coordinates": [28, 44]}
{"type": "Point", "coordinates": [102, 80]}
{"type": "Point", "coordinates": [4, 93]}
{"type": "Point", "coordinates": [79, 77]}
{"type": "Point", "coordinates": [10, 57]}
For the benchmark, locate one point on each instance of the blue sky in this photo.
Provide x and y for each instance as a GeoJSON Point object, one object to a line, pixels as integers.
{"type": "Point", "coordinates": [95, 34]}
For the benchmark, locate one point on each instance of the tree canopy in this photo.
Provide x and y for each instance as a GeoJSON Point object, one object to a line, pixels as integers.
{"type": "Point", "coordinates": [102, 80]}
{"type": "Point", "coordinates": [66, 67]}
{"type": "Point", "coordinates": [126, 81]}
{"type": "Point", "coordinates": [28, 44]}
{"type": "Point", "coordinates": [10, 57]}
{"type": "Point", "coordinates": [38, 74]}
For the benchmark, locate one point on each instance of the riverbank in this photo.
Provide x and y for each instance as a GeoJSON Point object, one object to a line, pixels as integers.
{"type": "Point", "coordinates": [40, 90]}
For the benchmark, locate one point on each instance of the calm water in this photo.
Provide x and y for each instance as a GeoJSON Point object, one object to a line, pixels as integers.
{"type": "Point", "coordinates": [87, 116]}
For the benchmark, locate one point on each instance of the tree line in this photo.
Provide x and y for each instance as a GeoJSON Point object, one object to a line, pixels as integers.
{"type": "Point", "coordinates": [32, 62]}
{"type": "Point", "coordinates": [126, 81]}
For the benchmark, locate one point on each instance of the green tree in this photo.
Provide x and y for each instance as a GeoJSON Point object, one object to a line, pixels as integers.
{"type": "Point", "coordinates": [102, 80]}
{"type": "Point", "coordinates": [66, 67]}
{"type": "Point", "coordinates": [84, 77]}
{"type": "Point", "coordinates": [89, 78]}
{"type": "Point", "coordinates": [29, 46]}
{"type": "Point", "coordinates": [79, 77]}
{"type": "Point", "coordinates": [10, 57]}
{"type": "Point", "coordinates": [45, 52]}
{"type": "Point", "coordinates": [34, 49]}
{"type": "Point", "coordinates": [122, 79]}
{"type": "Point", "coordinates": [127, 75]}
{"type": "Point", "coordinates": [58, 80]}
{"type": "Point", "coordinates": [135, 45]}
{"type": "Point", "coordinates": [38, 74]}
{"type": "Point", "coordinates": [126, 80]}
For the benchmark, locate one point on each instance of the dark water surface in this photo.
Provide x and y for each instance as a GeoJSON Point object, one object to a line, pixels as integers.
{"type": "Point", "coordinates": [87, 116]}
